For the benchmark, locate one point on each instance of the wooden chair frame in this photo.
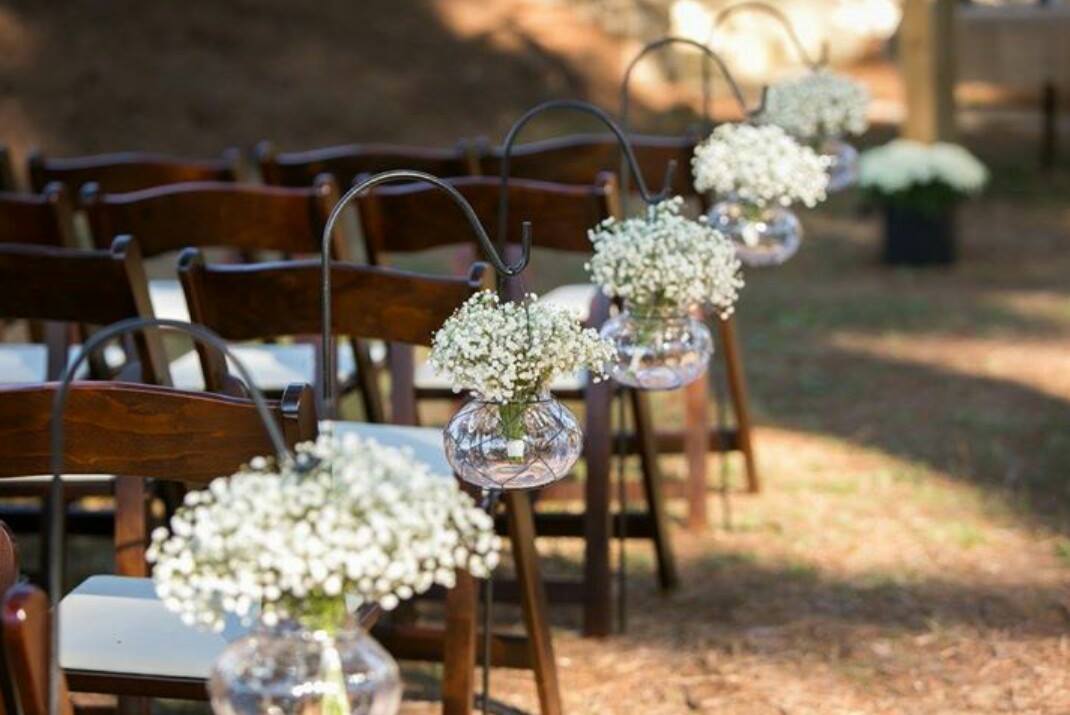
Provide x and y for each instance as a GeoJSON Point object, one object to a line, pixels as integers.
{"type": "Point", "coordinates": [129, 171]}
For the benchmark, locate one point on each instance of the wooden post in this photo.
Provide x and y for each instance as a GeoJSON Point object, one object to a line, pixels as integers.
{"type": "Point", "coordinates": [927, 64]}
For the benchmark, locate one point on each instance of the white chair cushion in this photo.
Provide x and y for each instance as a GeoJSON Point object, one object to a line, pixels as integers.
{"type": "Point", "coordinates": [116, 624]}
{"type": "Point", "coordinates": [576, 297]}
{"type": "Point", "coordinates": [426, 378]}
{"type": "Point", "coordinates": [425, 442]}
{"type": "Point", "coordinates": [272, 365]}
{"type": "Point", "coordinates": [168, 300]}
{"type": "Point", "coordinates": [43, 480]}
{"type": "Point", "coordinates": [22, 363]}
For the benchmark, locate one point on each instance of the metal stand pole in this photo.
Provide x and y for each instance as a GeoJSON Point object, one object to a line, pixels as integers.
{"type": "Point", "coordinates": [490, 503]}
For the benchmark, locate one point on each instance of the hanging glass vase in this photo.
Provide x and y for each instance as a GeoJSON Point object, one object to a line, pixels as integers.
{"type": "Point", "coordinates": [298, 668]}
{"type": "Point", "coordinates": [843, 162]}
{"type": "Point", "coordinates": [658, 349]}
{"type": "Point", "coordinates": [764, 235]}
{"type": "Point", "coordinates": [513, 445]}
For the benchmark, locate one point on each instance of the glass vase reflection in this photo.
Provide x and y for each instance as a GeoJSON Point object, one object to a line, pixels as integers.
{"type": "Point", "coordinates": [763, 235]}
{"type": "Point", "coordinates": [513, 445]}
{"type": "Point", "coordinates": [293, 670]}
{"type": "Point", "coordinates": [658, 350]}
{"type": "Point", "coordinates": [843, 163]}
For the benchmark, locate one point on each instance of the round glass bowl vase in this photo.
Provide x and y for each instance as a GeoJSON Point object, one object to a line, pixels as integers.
{"type": "Point", "coordinates": [657, 349]}
{"type": "Point", "coordinates": [290, 670]}
{"type": "Point", "coordinates": [513, 445]}
{"type": "Point", "coordinates": [843, 163]}
{"type": "Point", "coordinates": [763, 235]}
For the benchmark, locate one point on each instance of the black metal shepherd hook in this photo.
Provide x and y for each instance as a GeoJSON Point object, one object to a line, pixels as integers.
{"type": "Point", "coordinates": [776, 14]}
{"type": "Point", "coordinates": [56, 507]}
{"type": "Point", "coordinates": [579, 106]}
{"type": "Point", "coordinates": [502, 268]}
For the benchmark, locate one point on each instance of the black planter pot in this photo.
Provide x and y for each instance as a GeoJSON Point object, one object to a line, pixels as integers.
{"type": "Point", "coordinates": [912, 238]}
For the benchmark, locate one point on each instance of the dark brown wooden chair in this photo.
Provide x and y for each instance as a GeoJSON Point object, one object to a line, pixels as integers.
{"type": "Point", "coordinates": [345, 163]}
{"type": "Point", "coordinates": [45, 219]}
{"type": "Point", "coordinates": [412, 217]}
{"type": "Point", "coordinates": [8, 183]}
{"type": "Point", "coordinates": [129, 171]}
{"type": "Point", "coordinates": [402, 309]}
{"type": "Point", "coordinates": [136, 431]}
{"type": "Point", "coordinates": [578, 159]}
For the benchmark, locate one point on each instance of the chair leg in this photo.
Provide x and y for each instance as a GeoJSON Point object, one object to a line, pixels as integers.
{"type": "Point", "coordinates": [696, 449]}
{"type": "Point", "coordinates": [459, 646]}
{"type": "Point", "coordinates": [652, 488]}
{"type": "Point", "coordinates": [131, 527]}
{"type": "Point", "coordinates": [737, 387]}
{"type": "Point", "coordinates": [597, 607]}
{"type": "Point", "coordinates": [533, 601]}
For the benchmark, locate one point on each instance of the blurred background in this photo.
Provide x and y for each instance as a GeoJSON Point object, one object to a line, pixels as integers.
{"type": "Point", "coordinates": [911, 551]}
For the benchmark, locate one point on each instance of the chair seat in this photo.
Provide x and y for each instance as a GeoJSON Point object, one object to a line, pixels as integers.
{"type": "Point", "coordinates": [22, 363]}
{"type": "Point", "coordinates": [576, 297]}
{"type": "Point", "coordinates": [116, 624]}
{"type": "Point", "coordinates": [425, 442]}
{"type": "Point", "coordinates": [272, 365]}
{"type": "Point", "coordinates": [168, 300]}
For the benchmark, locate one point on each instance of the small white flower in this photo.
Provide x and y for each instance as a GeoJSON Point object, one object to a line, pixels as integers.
{"type": "Point", "coordinates": [817, 106]}
{"type": "Point", "coordinates": [903, 164]}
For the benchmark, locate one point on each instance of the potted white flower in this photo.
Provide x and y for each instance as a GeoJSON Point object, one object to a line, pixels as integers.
{"type": "Point", "coordinates": [757, 173]}
{"type": "Point", "coordinates": [661, 267]}
{"type": "Point", "coordinates": [513, 434]}
{"type": "Point", "coordinates": [919, 187]}
{"type": "Point", "coordinates": [299, 553]}
{"type": "Point", "coordinates": [819, 109]}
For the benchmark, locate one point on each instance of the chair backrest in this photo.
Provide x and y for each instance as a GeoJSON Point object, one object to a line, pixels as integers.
{"type": "Point", "coordinates": [25, 622]}
{"type": "Point", "coordinates": [7, 171]}
{"type": "Point", "coordinates": [214, 214]}
{"type": "Point", "coordinates": [44, 219]}
{"type": "Point", "coordinates": [84, 287]}
{"type": "Point", "coordinates": [416, 216]}
{"type": "Point", "coordinates": [345, 163]}
{"type": "Point", "coordinates": [138, 430]}
{"type": "Point", "coordinates": [578, 159]}
{"type": "Point", "coordinates": [129, 171]}
{"type": "Point", "coordinates": [265, 300]}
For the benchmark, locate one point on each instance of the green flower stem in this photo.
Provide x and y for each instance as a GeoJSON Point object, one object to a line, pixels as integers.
{"type": "Point", "coordinates": [325, 616]}
{"type": "Point", "coordinates": [512, 417]}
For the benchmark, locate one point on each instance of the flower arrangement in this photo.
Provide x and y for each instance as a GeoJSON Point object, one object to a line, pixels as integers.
{"type": "Point", "coordinates": [760, 165]}
{"type": "Point", "coordinates": [665, 261]}
{"type": "Point", "coordinates": [367, 524]}
{"type": "Point", "coordinates": [509, 352]}
{"type": "Point", "coordinates": [927, 178]}
{"type": "Point", "coordinates": [817, 106]}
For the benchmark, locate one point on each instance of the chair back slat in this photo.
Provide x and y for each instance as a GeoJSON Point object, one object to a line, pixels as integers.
{"type": "Point", "coordinates": [7, 171]}
{"type": "Point", "coordinates": [416, 217]}
{"type": "Point", "coordinates": [44, 219]}
{"type": "Point", "coordinates": [129, 171]}
{"type": "Point", "coordinates": [242, 216]}
{"type": "Point", "coordinates": [83, 287]}
{"type": "Point", "coordinates": [345, 163]}
{"type": "Point", "coordinates": [143, 430]}
{"type": "Point", "coordinates": [579, 158]}
{"type": "Point", "coordinates": [267, 300]}
{"type": "Point", "coordinates": [25, 620]}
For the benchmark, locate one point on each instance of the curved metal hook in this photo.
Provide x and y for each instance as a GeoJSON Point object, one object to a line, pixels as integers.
{"type": "Point", "coordinates": [56, 502]}
{"type": "Point", "coordinates": [503, 268]}
{"type": "Point", "coordinates": [579, 106]}
{"type": "Point", "coordinates": [775, 13]}
{"type": "Point", "coordinates": [625, 86]}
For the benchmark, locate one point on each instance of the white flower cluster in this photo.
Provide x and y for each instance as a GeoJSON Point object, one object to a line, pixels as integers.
{"type": "Point", "coordinates": [368, 524]}
{"type": "Point", "coordinates": [665, 261]}
{"type": "Point", "coordinates": [761, 165]}
{"type": "Point", "coordinates": [903, 163]}
{"type": "Point", "coordinates": [817, 105]}
{"type": "Point", "coordinates": [511, 352]}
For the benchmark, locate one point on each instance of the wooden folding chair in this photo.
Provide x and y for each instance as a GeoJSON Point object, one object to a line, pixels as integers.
{"type": "Point", "coordinates": [238, 216]}
{"type": "Point", "coordinates": [578, 159]}
{"type": "Point", "coordinates": [128, 171]}
{"type": "Point", "coordinates": [8, 183]}
{"type": "Point", "coordinates": [402, 309]}
{"type": "Point", "coordinates": [44, 219]}
{"type": "Point", "coordinates": [411, 217]}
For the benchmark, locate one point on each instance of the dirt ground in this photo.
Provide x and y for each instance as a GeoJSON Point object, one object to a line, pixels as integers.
{"type": "Point", "coordinates": [911, 551]}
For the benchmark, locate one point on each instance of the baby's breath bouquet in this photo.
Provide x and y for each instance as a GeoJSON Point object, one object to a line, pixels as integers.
{"type": "Point", "coordinates": [368, 524]}
{"type": "Point", "coordinates": [665, 262]}
{"type": "Point", "coordinates": [817, 106]}
{"type": "Point", "coordinates": [928, 178]}
{"type": "Point", "coordinates": [760, 166]}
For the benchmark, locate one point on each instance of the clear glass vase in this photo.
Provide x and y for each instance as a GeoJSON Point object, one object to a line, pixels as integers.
{"type": "Point", "coordinates": [658, 350]}
{"type": "Point", "coordinates": [290, 669]}
{"type": "Point", "coordinates": [843, 166]}
{"type": "Point", "coordinates": [764, 235]}
{"type": "Point", "coordinates": [513, 445]}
